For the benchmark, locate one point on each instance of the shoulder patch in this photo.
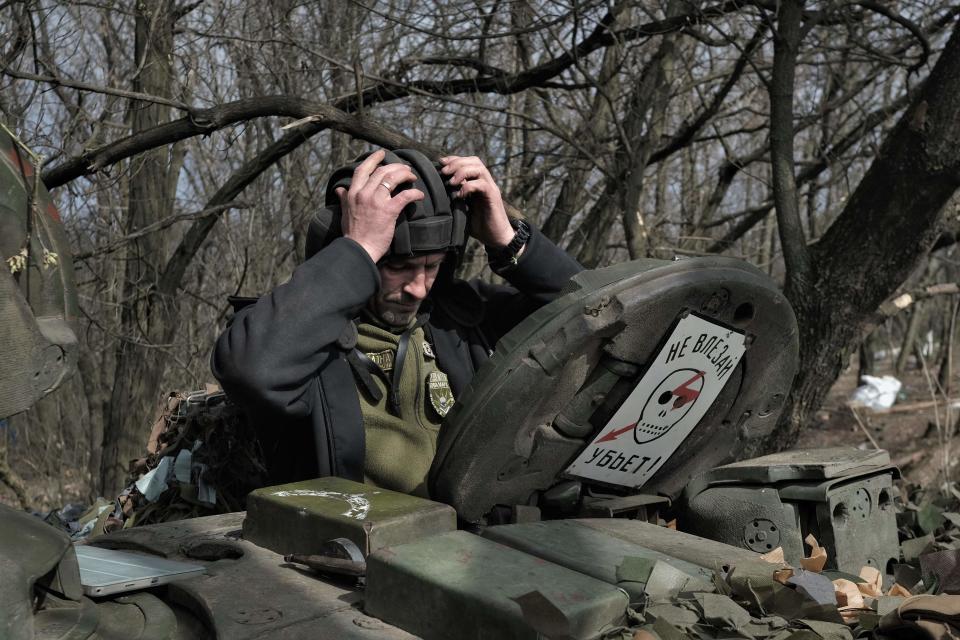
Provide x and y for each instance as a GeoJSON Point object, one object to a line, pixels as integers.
{"type": "Point", "coordinates": [383, 359]}
{"type": "Point", "coordinates": [441, 396]}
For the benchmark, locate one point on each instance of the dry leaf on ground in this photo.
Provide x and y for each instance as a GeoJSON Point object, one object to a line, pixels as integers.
{"type": "Point", "coordinates": [818, 556]}
{"type": "Point", "coordinates": [775, 556]}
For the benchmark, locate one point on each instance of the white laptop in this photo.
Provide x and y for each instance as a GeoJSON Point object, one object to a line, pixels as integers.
{"type": "Point", "coordinates": [105, 572]}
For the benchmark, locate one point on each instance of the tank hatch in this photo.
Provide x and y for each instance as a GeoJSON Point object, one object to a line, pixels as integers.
{"type": "Point", "coordinates": [638, 378]}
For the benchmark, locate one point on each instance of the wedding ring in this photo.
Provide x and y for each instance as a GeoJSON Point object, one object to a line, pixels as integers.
{"type": "Point", "coordinates": [386, 185]}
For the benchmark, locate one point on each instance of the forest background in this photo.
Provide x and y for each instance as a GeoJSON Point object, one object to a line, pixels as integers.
{"type": "Point", "coordinates": [187, 143]}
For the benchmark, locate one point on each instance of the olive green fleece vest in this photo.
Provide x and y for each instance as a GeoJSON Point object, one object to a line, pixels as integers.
{"type": "Point", "coordinates": [400, 449]}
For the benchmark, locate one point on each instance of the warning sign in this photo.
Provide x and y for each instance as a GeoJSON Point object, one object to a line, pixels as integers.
{"type": "Point", "coordinates": [685, 378]}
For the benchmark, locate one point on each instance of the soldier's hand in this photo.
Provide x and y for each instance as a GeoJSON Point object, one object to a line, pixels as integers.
{"type": "Point", "coordinates": [369, 208]}
{"type": "Point", "coordinates": [488, 216]}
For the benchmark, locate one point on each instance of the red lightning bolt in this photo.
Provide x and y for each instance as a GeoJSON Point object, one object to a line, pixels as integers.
{"type": "Point", "coordinates": [684, 393]}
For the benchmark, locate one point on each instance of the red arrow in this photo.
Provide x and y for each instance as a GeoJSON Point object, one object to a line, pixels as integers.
{"type": "Point", "coordinates": [613, 435]}
{"type": "Point", "coordinates": [684, 395]}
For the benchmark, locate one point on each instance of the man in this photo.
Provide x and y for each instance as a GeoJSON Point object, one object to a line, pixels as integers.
{"type": "Point", "coordinates": [349, 367]}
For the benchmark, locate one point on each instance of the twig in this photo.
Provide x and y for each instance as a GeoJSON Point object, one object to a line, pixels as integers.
{"type": "Point", "coordinates": [86, 86]}
{"type": "Point", "coordinates": [863, 427]}
{"type": "Point", "coordinates": [909, 25]}
{"type": "Point", "coordinates": [941, 436]}
{"type": "Point", "coordinates": [159, 225]}
{"type": "Point", "coordinates": [901, 301]}
{"type": "Point", "coordinates": [914, 406]}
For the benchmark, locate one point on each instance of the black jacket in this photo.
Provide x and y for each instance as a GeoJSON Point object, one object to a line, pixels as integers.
{"type": "Point", "coordinates": [283, 360]}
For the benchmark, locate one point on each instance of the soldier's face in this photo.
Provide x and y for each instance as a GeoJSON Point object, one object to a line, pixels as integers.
{"type": "Point", "coordinates": [404, 283]}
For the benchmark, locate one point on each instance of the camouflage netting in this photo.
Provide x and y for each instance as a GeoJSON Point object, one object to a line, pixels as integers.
{"type": "Point", "coordinates": [766, 599]}
{"type": "Point", "coordinates": [202, 459]}
{"type": "Point", "coordinates": [929, 524]}
{"type": "Point", "coordinates": [919, 597]}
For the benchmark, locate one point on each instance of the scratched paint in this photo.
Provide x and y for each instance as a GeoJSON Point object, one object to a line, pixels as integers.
{"type": "Point", "coordinates": [358, 509]}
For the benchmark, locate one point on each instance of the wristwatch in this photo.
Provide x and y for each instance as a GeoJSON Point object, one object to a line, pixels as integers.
{"type": "Point", "coordinates": [507, 256]}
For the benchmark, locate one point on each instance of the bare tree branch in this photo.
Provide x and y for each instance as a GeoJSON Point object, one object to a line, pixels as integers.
{"type": "Point", "coordinates": [159, 225]}
{"type": "Point", "coordinates": [906, 299]}
{"type": "Point", "coordinates": [752, 216]}
{"type": "Point", "coordinates": [206, 121]}
{"type": "Point", "coordinates": [459, 36]}
{"type": "Point", "coordinates": [725, 176]}
{"type": "Point", "coordinates": [909, 25]}
{"type": "Point", "coordinates": [506, 83]}
{"type": "Point", "coordinates": [93, 88]}
{"type": "Point", "coordinates": [690, 129]}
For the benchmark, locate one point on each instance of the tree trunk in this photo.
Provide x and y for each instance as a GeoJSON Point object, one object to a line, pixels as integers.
{"type": "Point", "coordinates": [640, 134]}
{"type": "Point", "coordinates": [945, 368]}
{"type": "Point", "coordinates": [908, 346]}
{"type": "Point", "coordinates": [591, 131]}
{"type": "Point", "coordinates": [646, 138]}
{"type": "Point", "coordinates": [139, 364]}
{"type": "Point", "coordinates": [867, 357]}
{"type": "Point", "coordinates": [887, 226]}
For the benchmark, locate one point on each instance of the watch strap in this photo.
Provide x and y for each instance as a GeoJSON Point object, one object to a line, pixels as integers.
{"type": "Point", "coordinates": [507, 256]}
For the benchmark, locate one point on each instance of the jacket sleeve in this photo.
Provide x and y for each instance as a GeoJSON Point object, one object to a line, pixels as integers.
{"type": "Point", "coordinates": [538, 277]}
{"type": "Point", "coordinates": [268, 357]}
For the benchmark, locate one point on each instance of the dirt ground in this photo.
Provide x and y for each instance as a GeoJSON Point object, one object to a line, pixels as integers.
{"type": "Point", "coordinates": [908, 431]}
{"type": "Point", "coordinates": [912, 430]}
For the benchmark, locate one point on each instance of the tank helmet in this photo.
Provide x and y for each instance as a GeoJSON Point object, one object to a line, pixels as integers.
{"type": "Point", "coordinates": [435, 224]}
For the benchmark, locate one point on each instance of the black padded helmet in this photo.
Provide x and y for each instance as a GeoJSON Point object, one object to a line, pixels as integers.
{"type": "Point", "coordinates": [436, 223]}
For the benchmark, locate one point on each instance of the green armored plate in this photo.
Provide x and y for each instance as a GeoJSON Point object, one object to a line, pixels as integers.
{"type": "Point", "coordinates": [812, 464]}
{"type": "Point", "coordinates": [73, 620]}
{"type": "Point", "coordinates": [543, 407]}
{"type": "Point", "coordinates": [30, 550]}
{"type": "Point", "coordinates": [459, 585]}
{"type": "Point", "coordinates": [576, 546]}
{"type": "Point", "coordinates": [250, 595]}
{"type": "Point", "coordinates": [300, 517]}
{"type": "Point", "coordinates": [699, 551]}
{"type": "Point", "coordinates": [842, 495]}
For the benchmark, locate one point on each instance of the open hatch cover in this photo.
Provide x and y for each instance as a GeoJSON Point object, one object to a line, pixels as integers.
{"type": "Point", "coordinates": [643, 374]}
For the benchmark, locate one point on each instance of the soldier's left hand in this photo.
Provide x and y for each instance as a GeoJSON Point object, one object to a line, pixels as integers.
{"type": "Point", "coordinates": [488, 215]}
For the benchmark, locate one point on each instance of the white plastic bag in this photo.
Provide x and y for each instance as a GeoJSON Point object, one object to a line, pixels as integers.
{"type": "Point", "coordinates": [876, 393]}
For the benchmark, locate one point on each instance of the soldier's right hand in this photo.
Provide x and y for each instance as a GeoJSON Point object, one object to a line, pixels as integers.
{"type": "Point", "coordinates": [369, 208]}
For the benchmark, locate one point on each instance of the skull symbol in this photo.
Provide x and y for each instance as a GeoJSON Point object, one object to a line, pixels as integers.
{"type": "Point", "coordinates": [670, 401]}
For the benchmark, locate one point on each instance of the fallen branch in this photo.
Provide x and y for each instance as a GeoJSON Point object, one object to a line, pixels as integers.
{"type": "Point", "coordinates": [863, 427]}
{"type": "Point", "coordinates": [901, 301]}
{"type": "Point", "coordinates": [914, 406]}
